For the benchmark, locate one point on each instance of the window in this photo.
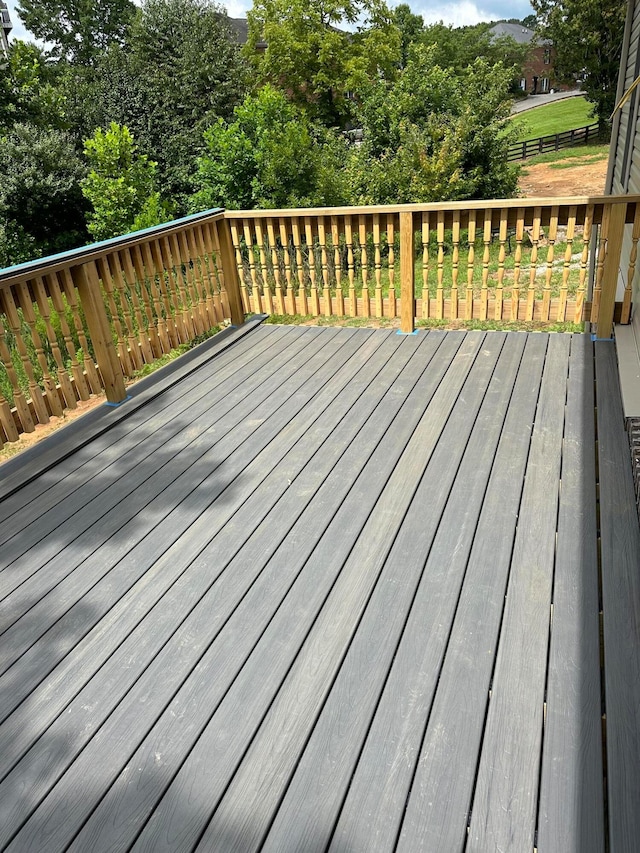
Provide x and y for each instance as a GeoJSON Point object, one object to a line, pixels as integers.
{"type": "Point", "coordinates": [547, 56]}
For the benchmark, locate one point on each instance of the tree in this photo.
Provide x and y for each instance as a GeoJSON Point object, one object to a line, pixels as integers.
{"type": "Point", "coordinates": [313, 59]}
{"type": "Point", "coordinates": [28, 89]}
{"type": "Point", "coordinates": [268, 156]}
{"type": "Point", "coordinates": [435, 134]}
{"type": "Point", "coordinates": [410, 26]}
{"type": "Point", "coordinates": [41, 204]}
{"type": "Point", "coordinates": [78, 30]}
{"type": "Point", "coordinates": [120, 185]}
{"type": "Point", "coordinates": [587, 36]}
{"type": "Point", "coordinates": [179, 72]}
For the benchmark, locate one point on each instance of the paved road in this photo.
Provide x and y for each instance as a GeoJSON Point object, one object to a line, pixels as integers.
{"type": "Point", "coordinates": [538, 100]}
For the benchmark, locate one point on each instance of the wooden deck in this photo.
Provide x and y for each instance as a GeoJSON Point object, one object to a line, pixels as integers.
{"type": "Point", "coordinates": [328, 589]}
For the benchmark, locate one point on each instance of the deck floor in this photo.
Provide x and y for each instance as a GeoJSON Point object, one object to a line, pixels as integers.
{"type": "Point", "coordinates": [336, 589]}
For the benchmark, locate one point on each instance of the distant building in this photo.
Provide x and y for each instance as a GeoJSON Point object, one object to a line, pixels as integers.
{"type": "Point", "coordinates": [538, 74]}
{"type": "Point", "coordinates": [240, 27]}
{"type": "Point", "coordinates": [5, 29]}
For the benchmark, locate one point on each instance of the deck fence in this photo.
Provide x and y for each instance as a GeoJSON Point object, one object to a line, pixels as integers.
{"type": "Point", "coordinates": [75, 324]}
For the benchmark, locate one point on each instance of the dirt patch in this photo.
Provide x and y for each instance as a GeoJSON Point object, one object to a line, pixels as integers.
{"type": "Point", "coordinates": [543, 180]}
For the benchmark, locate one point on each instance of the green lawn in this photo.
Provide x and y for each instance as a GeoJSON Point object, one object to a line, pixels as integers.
{"type": "Point", "coordinates": [553, 118]}
{"type": "Point", "coordinates": [567, 158]}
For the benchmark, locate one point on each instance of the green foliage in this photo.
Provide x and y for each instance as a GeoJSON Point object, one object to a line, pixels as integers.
{"type": "Point", "coordinates": [313, 60]}
{"type": "Point", "coordinates": [120, 185]}
{"type": "Point", "coordinates": [411, 27]}
{"type": "Point", "coordinates": [268, 156]}
{"type": "Point", "coordinates": [433, 135]}
{"type": "Point", "coordinates": [587, 35]}
{"type": "Point", "coordinates": [28, 90]}
{"type": "Point", "coordinates": [553, 118]}
{"type": "Point", "coordinates": [78, 30]}
{"type": "Point", "coordinates": [41, 203]}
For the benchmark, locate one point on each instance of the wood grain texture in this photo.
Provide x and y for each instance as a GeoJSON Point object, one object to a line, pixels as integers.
{"type": "Point", "coordinates": [571, 815]}
{"type": "Point", "coordinates": [620, 555]}
{"type": "Point", "coordinates": [505, 801]}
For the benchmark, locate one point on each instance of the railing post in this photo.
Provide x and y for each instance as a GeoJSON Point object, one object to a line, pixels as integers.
{"type": "Point", "coordinates": [407, 273]}
{"type": "Point", "coordinates": [614, 236]}
{"type": "Point", "coordinates": [87, 282]}
{"type": "Point", "coordinates": [230, 271]}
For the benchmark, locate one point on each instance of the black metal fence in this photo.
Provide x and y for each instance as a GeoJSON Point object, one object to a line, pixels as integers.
{"type": "Point", "coordinates": [566, 139]}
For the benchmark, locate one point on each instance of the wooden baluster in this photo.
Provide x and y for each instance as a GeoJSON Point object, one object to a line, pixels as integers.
{"type": "Point", "coordinates": [266, 284]}
{"type": "Point", "coordinates": [19, 400]}
{"type": "Point", "coordinates": [107, 281]}
{"type": "Point", "coordinates": [144, 265]}
{"type": "Point", "coordinates": [533, 261]}
{"type": "Point", "coordinates": [171, 310]}
{"type": "Point", "coordinates": [551, 240]}
{"type": "Point", "coordinates": [426, 295]}
{"type": "Point", "coordinates": [407, 273]}
{"type": "Point", "coordinates": [235, 239]}
{"type": "Point", "coordinates": [364, 265]}
{"type": "Point", "coordinates": [348, 236]}
{"type": "Point", "coordinates": [202, 272]}
{"type": "Point", "coordinates": [64, 380]}
{"type": "Point", "coordinates": [625, 316]}
{"type": "Point", "coordinates": [324, 266]}
{"type": "Point", "coordinates": [136, 277]}
{"type": "Point", "coordinates": [89, 364]}
{"type": "Point", "coordinates": [290, 296]}
{"type": "Point", "coordinates": [230, 294]}
{"type": "Point", "coordinates": [600, 260]}
{"type": "Point", "coordinates": [175, 284]}
{"type": "Point", "coordinates": [212, 261]}
{"type": "Point", "coordinates": [566, 268]}
{"type": "Point", "coordinates": [275, 261]}
{"type": "Point", "coordinates": [190, 256]}
{"type": "Point", "coordinates": [484, 291]}
{"type": "Point", "coordinates": [471, 258]}
{"type": "Point", "coordinates": [139, 346]}
{"type": "Point", "coordinates": [198, 304]}
{"type": "Point", "coordinates": [377, 265]}
{"type": "Point", "coordinates": [337, 263]}
{"type": "Point", "coordinates": [255, 289]}
{"type": "Point", "coordinates": [13, 319]}
{"type": "Point", "coordinates": [300, 305]}
{"type": "Point", "coordinates": [315, 296]}
{"type": "Point", "coordinates": [50, 390]}
{"type": "Point", "coordinates": [393, 308]}
{"type": "Point", "coordinates": [455, 265]}
{"type": "Point", "coordinates": [440, 273]}
{"type": "Point", "coordinates": [502, 254]}
{"type": "Point", "coordinates": [517, 264]}
{"type": "Point", "coordinates": [55, 292]}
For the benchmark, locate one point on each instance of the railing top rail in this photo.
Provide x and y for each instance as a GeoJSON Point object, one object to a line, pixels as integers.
{"type": "Point", "coordinates": [51, 263]}
{"type": "Point", "coordinates": [481, 204]}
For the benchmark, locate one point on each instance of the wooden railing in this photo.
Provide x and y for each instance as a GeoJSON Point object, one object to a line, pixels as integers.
{"type": "Point", "coordinates": [553, 142]}
{"type": "Point", "coordinates": [82, 322]}
{"type": "Point", "coordinates": [514, 260]}
{"type": "Point", "coordinates": [75, 324]}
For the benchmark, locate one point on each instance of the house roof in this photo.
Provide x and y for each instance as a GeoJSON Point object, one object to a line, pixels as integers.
{"type": "Point", "coordinates": [518, 32]}
{"type": "Point", "coordinates": [240, 26]}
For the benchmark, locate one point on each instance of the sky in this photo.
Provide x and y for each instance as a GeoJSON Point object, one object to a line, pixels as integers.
{"type": "Point", "coordinates": [457, 12]}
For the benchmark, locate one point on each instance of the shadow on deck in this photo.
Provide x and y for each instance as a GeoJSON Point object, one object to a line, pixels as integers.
{"type": "Point", "coordinates": [329, 589]}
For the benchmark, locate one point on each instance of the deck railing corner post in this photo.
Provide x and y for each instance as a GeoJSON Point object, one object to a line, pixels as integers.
{"type": "Point", "coordinates": [230, 271]}
{"type": "Point", "coordinates": [614, 237]}
{"type": "Point", "coordinates": [87, 282]}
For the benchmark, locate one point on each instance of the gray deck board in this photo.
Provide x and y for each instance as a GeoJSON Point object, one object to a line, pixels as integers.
{"type": "Point", "coordinates": [620, 546]}
{"type": "Point", "coordinates": [311, 592]}
{"type": "Point", "coordinates": [571, 788]}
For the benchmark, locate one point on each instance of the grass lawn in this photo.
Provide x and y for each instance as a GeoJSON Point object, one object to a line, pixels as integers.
{"type": "Point", "coordinates": [553, 118]}
{"type": "Point", "coordinates": [567, 158]}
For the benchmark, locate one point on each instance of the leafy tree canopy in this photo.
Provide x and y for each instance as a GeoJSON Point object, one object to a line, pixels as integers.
{"type": "Point", "coordinates": [120, 185]}
{"type": "Point", "coordinates": [41, 203]}
{"type": "Point", "coordinates": [268, 156]}
{"type": "Point", "coordinates": [587, 35]}
{"type": "Point", "coordinates": [28, 89]}
{"type": "Point", "coordinates": [78, 30]}
{"type": "Point", "coordinates": [312, 57]}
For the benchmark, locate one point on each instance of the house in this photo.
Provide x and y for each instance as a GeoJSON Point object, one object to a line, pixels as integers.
{"type": "Point", "coordinates": [538, 75]}
{"type": "Point", "coordinates": [5, 29]}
